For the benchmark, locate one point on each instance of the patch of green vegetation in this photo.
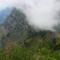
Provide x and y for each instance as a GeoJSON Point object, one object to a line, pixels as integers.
{"type": "Point", "coordinates": [19, 53]}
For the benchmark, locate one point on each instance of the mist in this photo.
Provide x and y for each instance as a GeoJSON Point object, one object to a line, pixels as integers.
{"type": "Point", "coordinates": [40, 14]}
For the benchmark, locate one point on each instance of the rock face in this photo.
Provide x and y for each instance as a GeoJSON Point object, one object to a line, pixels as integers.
{"type": "Point", "coordinates": [16, 17]}
{"type": "Point", "coordinates": [15, 26]}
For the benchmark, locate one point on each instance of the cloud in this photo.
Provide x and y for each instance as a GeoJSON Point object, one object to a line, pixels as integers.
{"type": "Point", "coordinates": [41, 14]}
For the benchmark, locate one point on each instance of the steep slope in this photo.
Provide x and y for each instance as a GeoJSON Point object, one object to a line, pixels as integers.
{"type": "Point", "coordinates": [17, 29]}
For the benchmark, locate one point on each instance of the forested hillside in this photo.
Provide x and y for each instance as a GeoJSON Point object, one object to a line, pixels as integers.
{"type": "Point", "coordinates": [20, 41]}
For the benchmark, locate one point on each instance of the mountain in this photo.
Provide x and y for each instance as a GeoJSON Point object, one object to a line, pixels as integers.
{"type": "Point", "coordinates": [17, 29]}
{"type": "Point", "coordinates": [4, 14]}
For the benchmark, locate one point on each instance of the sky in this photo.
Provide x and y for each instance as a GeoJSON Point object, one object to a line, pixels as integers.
{"type": "Point", "coordinates": [4, 14]}
{"type": "Point", "coordinates": [4, 10]}
{"type": "Point", "coordinates": [41, 14]}
{"type": "Point", "coordinates": [2, 4]}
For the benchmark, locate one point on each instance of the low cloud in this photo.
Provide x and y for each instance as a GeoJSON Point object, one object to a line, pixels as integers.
{"type": "Point", "coordinates": [41, 14]}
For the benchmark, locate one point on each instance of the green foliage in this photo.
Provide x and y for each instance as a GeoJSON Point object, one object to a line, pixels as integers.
{"type": "Point", "coordinates": [20, 53]}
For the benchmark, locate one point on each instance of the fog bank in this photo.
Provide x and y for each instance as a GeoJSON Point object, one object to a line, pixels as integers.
{"type": "Point", "coordinates": [40, 14]}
